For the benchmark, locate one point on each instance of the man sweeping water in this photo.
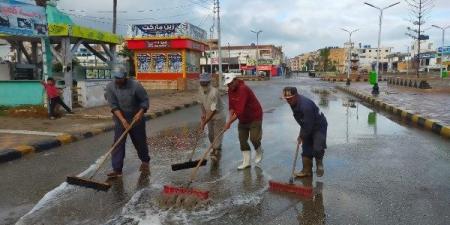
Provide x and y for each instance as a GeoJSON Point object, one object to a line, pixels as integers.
{"type": "Point", "coordinates": [128, 101]}
{"type": "Point", "coordinates": [244, 105]}
{"type": "Point", "coordinates": [313, 132]}
{"type": "Point", "coordinates": [213, 113]}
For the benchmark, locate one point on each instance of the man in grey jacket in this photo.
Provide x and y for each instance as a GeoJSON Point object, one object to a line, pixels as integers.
{"type": "Point", "coordinates": [128, 101]}
{"type": "Point", "coordinates": [213, 113]}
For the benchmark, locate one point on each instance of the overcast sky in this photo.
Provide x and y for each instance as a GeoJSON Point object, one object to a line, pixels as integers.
{"type": "Point", "coordinates": [298, 25]}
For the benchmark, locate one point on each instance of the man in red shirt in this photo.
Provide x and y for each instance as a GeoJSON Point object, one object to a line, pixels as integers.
{"type": "Point", "coordinates": [244, 105]}
{"type": "Point", "coordinates": [53, 97]}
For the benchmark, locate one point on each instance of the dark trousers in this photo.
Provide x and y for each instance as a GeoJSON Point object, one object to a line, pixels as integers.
{"type": "Point", "coordinates": [138, 137]}
{"type": "Point", "coordinates": [53, 102]}
{"type": "Point", "coordinates": [314, 146]}
{"type": "Point", "coordinates": [254, 130]}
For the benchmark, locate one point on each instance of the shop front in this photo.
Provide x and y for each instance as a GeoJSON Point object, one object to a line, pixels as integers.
{"type": "Point", "coordinates": [165, 60]}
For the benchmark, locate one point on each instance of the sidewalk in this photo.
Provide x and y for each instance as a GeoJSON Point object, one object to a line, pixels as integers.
{"type": "Point", "coordinates": [417, 104]}
{"type": "Point", "coordinates": [21, 136]}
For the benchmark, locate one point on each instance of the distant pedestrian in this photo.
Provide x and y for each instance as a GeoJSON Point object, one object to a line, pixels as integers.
{"type": "Point", "coordinates": [313, 131]}
{"type": "Point", "coordinates": [128, 101]}
{"type": "Point", "coordinates": [213, 113]}
{"type": "Point", "coordinates": [244, 105]}
{"type": "Point", "coordinates": [54, 98]}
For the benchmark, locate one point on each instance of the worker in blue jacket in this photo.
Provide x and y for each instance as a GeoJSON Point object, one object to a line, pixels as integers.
{"type": "Point", "coordinates": [313, 131]}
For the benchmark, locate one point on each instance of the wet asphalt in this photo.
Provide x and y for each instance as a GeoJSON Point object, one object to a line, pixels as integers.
{"type": "Point", "coordinates": [377, 171]}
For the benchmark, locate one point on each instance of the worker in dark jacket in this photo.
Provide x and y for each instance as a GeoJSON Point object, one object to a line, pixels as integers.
{"type": "Point", "coordinates": [313, 131]}
{"type": "Point", "coordinates": [128, 101]}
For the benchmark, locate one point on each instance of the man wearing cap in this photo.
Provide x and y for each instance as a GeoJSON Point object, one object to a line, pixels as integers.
{"type": "Point", "coordinates": [213, 113]}
{"type": "Point", "coordinates": [244, 105]}
{"type": "Point", "coordinates": [313, 131]}
{"type": "Point", "coordinates": [128, 101]}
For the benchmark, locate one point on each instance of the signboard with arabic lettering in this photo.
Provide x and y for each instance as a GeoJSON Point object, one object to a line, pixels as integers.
{"type": "Point", "coordinates": [167, 30]}
{"type": "Point", "coordinates": [158, 44]}
{"type": "Point", "coordinates": [22, 19]}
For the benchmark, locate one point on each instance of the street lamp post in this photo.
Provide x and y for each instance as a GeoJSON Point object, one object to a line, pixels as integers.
{"type": "Point", "coordinates": [349, 53]}
{"type": "Point", "coordinates": [257, 49]}
{"type": "Point", "coordinates": [407, 60]}
{"type": "Point", "coordinates": [442, 47]}
{"type": "Point", "coordinates": [375, 88]}
{"type": "Point", "coordinates": [229, 57]}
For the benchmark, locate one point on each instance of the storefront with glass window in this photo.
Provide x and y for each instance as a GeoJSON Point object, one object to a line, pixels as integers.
{"type": "Point", "coordinates": [167, 61]}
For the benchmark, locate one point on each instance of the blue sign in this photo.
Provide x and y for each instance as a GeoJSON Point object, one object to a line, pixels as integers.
{"type": "Point", "coordinates": [446, 50]}
{"type": "Point", "coordinates": [22, 19]}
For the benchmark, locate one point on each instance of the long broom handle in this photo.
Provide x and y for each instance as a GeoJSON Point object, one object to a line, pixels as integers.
{"type": "Point", "coordinates": [194, 172]}
{"type": "Point", "coordinates": [291, 180]}
{"type": "Point", "coordinates": [105, 156]}
{"type": "Point", "coordinates": [195, 147]}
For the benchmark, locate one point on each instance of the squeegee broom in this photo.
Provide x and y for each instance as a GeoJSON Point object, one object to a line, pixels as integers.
{"type": "Point", "coordinates": [89, 182]}
{"type": "Point", "coordinates": [290, 186]}
{"type": "Point", "coordinates": [187, 190]}
{"type": "Point", "coordinates": [189, 164]}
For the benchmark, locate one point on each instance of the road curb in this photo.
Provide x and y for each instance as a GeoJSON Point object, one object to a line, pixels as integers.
{"type": "Point", "coordinates": [416, 119]}
{"type": "Point", "coordinates": [20, 151]}
{"type": "Point", "coordinates": [353, 80]}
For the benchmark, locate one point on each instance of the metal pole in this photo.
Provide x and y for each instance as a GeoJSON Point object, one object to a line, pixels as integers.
{"type": "Point", "coordinates": [349, 58]}
{"type": "Point", "coordinates": [229, 56]}
{"type": "Point", "coordinates": [349, 53]}
{"type": "Point", "coordinates": [407, 62]}
{"type": "Point", "coordinates": [442, 46]}
{"type": "Point", "coordinates": [378, 48]}
{"type": "Point", "coordinates": [257, 49]}
{"type": "Point", "coordinates": [442, 52]}
{"type": "Point", "coordinates": [114, 16]}
{"type": "Point", "coordinates": [375, 88]}
{"type": "Point", "coordinates": [219, 43]}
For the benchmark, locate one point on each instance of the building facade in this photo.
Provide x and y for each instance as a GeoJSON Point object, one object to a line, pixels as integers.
{"type": "Point", "coordinates": [243, 59]}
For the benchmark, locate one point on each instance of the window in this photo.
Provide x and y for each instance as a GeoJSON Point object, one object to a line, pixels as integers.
{"type": "Point", "coordinates": [370, 50]}
{"type": "Point", "coordinates": [387, 50]}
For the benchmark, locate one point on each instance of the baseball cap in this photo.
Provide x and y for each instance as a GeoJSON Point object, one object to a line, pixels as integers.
{"type": "Point", "coordinates": [118, 72]}
{"type": "Point", "coordinates": [229, 78]}
{"type": "Point", "coordinates": [289, 92]}
{"type": "Point", "coordinates": [205, 77]}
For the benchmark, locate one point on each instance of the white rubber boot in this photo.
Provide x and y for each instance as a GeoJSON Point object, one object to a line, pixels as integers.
{"type": "Point", "coordinates": [245, 161]}
{"type": "Point", "coordinates": [259, 154]}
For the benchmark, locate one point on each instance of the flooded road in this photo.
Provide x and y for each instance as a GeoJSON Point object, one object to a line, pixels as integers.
{"type": "Point", "coordinates": [376, 172]}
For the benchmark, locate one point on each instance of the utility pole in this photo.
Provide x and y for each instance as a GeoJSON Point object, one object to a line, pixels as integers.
{"type": "Point", "coordinates": [375, 88]}
{"type": "Point", "coordinates": [219, 43]}
{"type": "Point", "coordinates": [442, 46]}
{"type": "Point", "coordinates": [349, 53]}
{"type": "Point", "coordinates": [114, 16]}
{"type": "Point", "coordinates": [257, 49]}
{"type": "Point", "coordinates": [229, 57]}
{"type": "Point", "coordinates": [407, 60]}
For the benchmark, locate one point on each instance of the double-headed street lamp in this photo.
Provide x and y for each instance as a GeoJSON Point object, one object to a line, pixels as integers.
{"type": "Point", "coordinates": [442, 47]}
{"type": "Point", "coordinates": [375, 89]}
{"type": "Point", "coordinates": [257, 50]}
{"type": "Point", "coordinates": [349, 52]}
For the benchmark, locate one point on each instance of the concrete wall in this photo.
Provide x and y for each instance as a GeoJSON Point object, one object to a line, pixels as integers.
{"type": "Point", "coordinates": [5, 72]}
{"type": "Point", "coordinates": [14, 93]}
{"type": "Point", "coordinates": [92, 93]}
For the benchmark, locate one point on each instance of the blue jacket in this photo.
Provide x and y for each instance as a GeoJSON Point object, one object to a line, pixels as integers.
{"type": "Point", "coordinates": [309, 117]}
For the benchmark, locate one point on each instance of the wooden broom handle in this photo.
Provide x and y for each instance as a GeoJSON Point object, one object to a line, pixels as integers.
{"type": "Point", "coordinates": [194, 172]}
{"type": "Point", "coordinates": [109, 152]}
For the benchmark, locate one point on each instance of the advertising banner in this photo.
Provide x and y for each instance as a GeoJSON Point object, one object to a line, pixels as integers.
{"type": "Point", "coordinates": [175, 62]}
{"type": "Point", "coordinates": [143, 62]}
{"type": "Point", "coordinates": [159, 60]}
{"type": "Point", "coordinates": [22, 19]}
